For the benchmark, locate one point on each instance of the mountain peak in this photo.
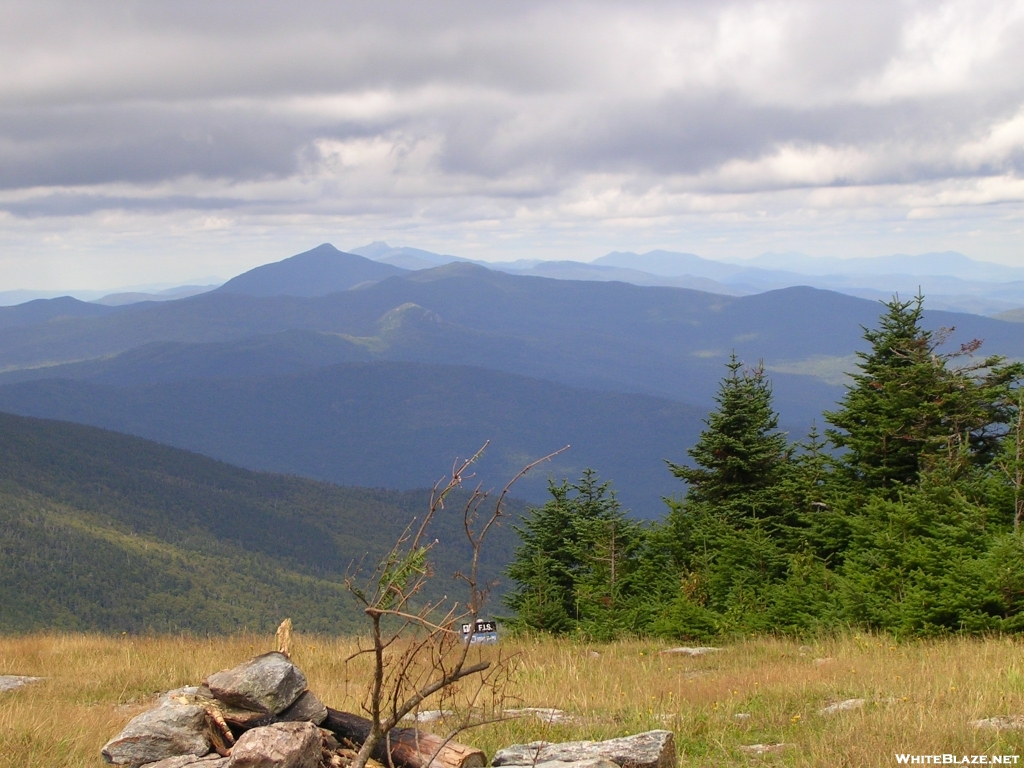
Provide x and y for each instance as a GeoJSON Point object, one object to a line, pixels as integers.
{"type": "Point", "coordinates": [316, 272]}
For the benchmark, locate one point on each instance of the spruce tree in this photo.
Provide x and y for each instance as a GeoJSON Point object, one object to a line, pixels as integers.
{"type": "Point", "coordinates": [740, 455]}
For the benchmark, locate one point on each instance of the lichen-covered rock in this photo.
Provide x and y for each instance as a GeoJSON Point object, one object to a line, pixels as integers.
{"type": "Point", "coordinates": [653, 749]}
{"type": "Point", "coordinates": [308, 708]}
{"type": "Point", "coordinates": [281, 745]}
{"type": "Point", "coordinates": [170, 730]}
{"type": "Point", "coordinates": [269, 683]}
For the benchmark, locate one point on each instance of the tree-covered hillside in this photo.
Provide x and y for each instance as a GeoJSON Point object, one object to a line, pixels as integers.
{"type": "Point", "coordinates": [104, 531]}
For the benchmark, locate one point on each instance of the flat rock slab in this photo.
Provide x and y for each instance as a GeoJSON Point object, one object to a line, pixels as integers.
{"type": "Point", "coordinates": [841, 706]}
{"type": "Point", "coordinates": [763, 749]}
{"type": "Point", "coordinates": [184, 761]}
{"type": "Point", "coordinates": [269, 683]}
{"type": "Point", "coordinates": [594, 762]}
{"type": "Point", "coordinates": [544, 714]}
{"type": "Point", "coordinates": [653, 749]}
{"type": "Point", "coordinates": [686, 651]}
{"type": "Point", "coordinates": [170, 730]}
{"type": "Point", "coordinates": [1001, 723]}
{"type": "Point", "coordinates": [14, 682]}
{"type": "Point", "coordinates": [281, 745]}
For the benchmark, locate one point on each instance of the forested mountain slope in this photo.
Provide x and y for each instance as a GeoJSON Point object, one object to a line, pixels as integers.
{"type": "Point", "coordinates": [104, 531]}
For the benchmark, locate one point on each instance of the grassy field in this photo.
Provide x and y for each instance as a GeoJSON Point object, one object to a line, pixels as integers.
{"type": "Point", "coordinates": [919, 696]}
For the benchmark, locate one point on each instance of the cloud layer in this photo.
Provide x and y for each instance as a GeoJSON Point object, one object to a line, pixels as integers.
{"type": "Point", "coordinates": [226, 133]}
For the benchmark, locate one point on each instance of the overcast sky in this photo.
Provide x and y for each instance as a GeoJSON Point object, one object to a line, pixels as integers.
{"type": "Point", "coordinates": [164, 141]}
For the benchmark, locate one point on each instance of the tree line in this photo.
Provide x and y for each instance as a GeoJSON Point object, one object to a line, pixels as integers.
{"type": "Point", "coordinates": [904, 516]}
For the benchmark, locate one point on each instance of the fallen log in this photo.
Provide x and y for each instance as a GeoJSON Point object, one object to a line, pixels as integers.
{"type": "Point", "coordinates": [410, 747]}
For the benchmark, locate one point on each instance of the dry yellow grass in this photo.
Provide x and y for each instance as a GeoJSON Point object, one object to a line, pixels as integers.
{"type": "Point", "coordinates": [920, 696]}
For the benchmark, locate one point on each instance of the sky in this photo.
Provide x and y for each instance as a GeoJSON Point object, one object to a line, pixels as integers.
{"type": "Point", "coordinates": [157, 142]}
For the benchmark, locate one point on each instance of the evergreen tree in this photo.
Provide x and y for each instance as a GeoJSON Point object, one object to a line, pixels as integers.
{"type": "Point", "coordinates": [543, 566]}
{"type": "Point", "coordinates": [908, 402]}
{"type": "Point", "coordinates": [814, 500]}
{"type": "Point", "coordinates": [931, 561]}
{"type": "Point", "coordinates": [740, 457]}
{"type": "Point", "coordinates": [608, 548]}
{"type": "Point", "coordinates": [575, 566]}
{"type": "Point", "coordinates": [734, 537]}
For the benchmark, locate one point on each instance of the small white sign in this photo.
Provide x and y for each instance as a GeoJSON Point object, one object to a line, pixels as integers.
{"type": "Point", "coordinates": [485, 632]}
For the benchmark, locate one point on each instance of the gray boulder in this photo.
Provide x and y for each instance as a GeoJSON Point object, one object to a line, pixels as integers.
{"type": "Point", "coordinates": [281, 745]}
{"type": "Point", "coordinates": [170, 730]}
{"type": "Point", "coordinates": [269, 683]}
{"type": "Point", "coordinates": [653, 749]}
{"type": "Point", "coordinates": [308, 708]}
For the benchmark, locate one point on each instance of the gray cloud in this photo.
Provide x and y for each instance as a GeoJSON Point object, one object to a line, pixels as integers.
{"type": "Point", "coordinates": [450, 116]}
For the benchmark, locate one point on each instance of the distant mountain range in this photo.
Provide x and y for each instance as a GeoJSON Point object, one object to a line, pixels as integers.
{"type": "Point", "coordinates": [102, 531]}
{"type": "Point", "coordinates": [385, 381]}
{"type": "Point", "coordinates": [951, 280]}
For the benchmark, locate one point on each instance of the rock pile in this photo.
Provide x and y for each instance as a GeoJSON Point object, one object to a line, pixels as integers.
{"type": "Point", "coordinates": [261, 714]}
